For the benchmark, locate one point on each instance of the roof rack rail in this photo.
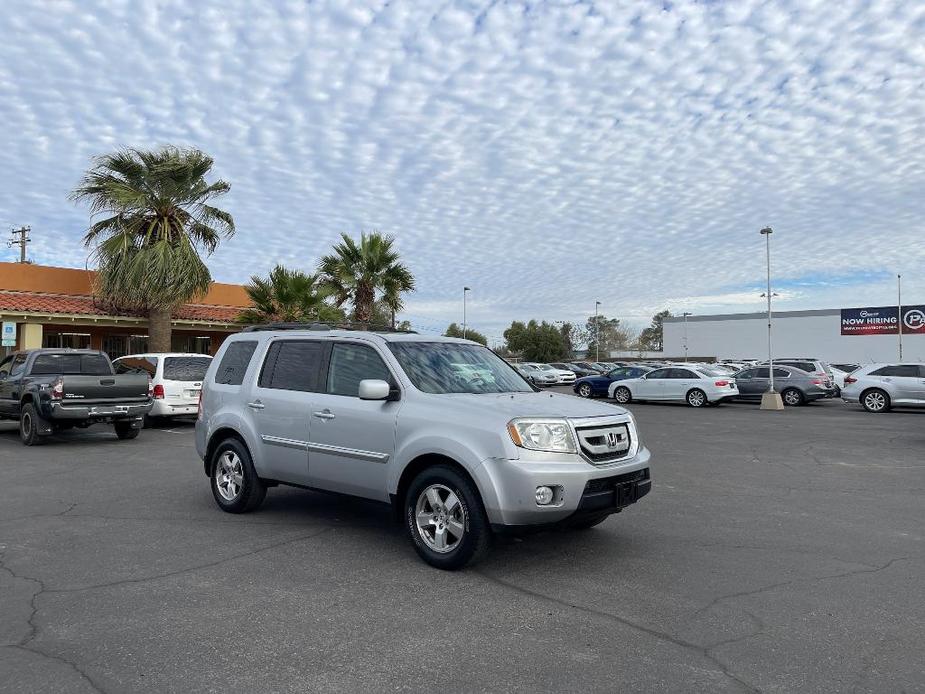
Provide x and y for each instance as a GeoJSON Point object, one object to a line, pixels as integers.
{"type": "Point", "coordinates": [321, 327]}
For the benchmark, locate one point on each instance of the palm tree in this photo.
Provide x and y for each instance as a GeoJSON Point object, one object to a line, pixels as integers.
{"type": "Point", "coordinates": [365, 274]}
{"type": "Point", "coordinates": [156, 220]}
{"type": "Point", "coordinates": [288, 296]}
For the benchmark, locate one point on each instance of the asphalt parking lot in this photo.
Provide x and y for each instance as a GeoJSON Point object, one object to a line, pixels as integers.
{"type": "Point", "coordinates": [778, 551]}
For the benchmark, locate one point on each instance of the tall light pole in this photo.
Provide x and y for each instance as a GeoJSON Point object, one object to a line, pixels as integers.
{"type": "Point", "coordinates": [770, 400]}
{"type": "Point", "coordinates": [466, 290]}
{"type": "Point", "coordinates": [685, 314]}
{"type": "Point", "coordinates": [899, 312]}
{"type": "Point", "coordinates": [597, 334]}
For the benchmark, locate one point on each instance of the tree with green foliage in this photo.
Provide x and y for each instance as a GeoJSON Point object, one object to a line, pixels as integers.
{"type": "Point", "coordinates": [652, 338]}
{"type": "Point", "coordinates": [455, 330]}
{"type": "Point", "coordinates": [289, 296]}
{"type": "Point", "coordinates": [154, 218]}
{"type": "Point", "coordinates": [605, 334]}
{"type": "Point", "coordinates": [540, 342]}
{"type": "Point", "coordinates": [572, 336]}
{"type": "Point", "coordinates": [365, 274]}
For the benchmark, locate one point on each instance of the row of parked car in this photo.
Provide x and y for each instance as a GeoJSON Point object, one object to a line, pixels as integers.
{"type": "Point", "coordinates": [800, 380]}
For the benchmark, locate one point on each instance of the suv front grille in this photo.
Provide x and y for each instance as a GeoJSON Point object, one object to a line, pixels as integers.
{"type": "Point", "coordinates": [604, 443]}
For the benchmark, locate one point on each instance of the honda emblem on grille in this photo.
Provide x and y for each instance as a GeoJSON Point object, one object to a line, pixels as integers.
{"type": "Point", "coordinates": [612, 440]}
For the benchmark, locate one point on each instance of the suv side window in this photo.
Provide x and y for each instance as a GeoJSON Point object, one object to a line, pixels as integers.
{"type": "Point", "coordinates": [352, 363]}
{"type": "Point", "coordinates": [293, 365]}
{"type": "Point", "coordinates": [781, 373]}
{"type": "Point", "coordinates": [234, 363]}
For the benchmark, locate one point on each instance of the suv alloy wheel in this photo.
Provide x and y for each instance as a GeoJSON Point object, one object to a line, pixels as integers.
{"type": "Point", "coordinates": [445, 519]}
{"type": "Point", "coordinates": [235, 484]}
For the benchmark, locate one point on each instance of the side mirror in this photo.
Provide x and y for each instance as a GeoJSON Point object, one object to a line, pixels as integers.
{"type": "Point", "coordinates": [374, 389]}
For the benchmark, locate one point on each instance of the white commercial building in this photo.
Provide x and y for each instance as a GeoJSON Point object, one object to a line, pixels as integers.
{"type": "Point", "coordinates": [856, 335]}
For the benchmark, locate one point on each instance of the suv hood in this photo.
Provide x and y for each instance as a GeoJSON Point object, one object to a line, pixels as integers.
{"type": "Point", "coordinates": [534, 405]}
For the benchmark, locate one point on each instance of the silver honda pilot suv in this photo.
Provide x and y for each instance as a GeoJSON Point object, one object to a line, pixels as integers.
{"type": "Point", "coordinates": [443, 429]}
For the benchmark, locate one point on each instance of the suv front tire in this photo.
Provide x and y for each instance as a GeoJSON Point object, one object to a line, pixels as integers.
{"type": "Point", "coordinates": [444, 518]}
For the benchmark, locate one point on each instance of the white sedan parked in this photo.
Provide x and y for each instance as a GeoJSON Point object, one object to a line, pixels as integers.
{"type": "Point", "coordinates": [563, 376]}
{"type": "Point", "coordinates": [695, 385]}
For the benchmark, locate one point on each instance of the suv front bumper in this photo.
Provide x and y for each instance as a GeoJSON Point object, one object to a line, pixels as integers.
{"type": "Point", "coordinates": [508, 488]}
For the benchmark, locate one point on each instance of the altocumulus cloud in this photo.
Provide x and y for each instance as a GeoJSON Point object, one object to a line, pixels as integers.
{"type": "Point", "coordinates": [546, 154]}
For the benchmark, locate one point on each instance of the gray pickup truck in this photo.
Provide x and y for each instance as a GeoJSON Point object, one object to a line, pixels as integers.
{"type": "Point", "coordinates": [443, 430]}
{"type": "Point", "coordinates": [53, 389]}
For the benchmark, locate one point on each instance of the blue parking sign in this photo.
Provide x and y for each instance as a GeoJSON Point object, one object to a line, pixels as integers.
{"type": "Point", "coordinates": [9, 334]}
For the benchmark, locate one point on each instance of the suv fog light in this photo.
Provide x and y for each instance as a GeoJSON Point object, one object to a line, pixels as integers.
{"type": "Point", "coordinates": [544, 496]}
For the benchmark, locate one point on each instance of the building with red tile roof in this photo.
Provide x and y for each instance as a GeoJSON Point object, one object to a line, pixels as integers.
{"type": "Point", "coordinates": [56, 307]}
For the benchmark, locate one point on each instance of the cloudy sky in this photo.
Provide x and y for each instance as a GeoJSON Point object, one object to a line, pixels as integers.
{"type": "Point", "coordinates": [546, 154]}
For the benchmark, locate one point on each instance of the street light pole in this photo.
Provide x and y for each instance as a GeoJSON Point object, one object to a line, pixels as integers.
{"type": "Point", "coordinates": [899, 312]}
{"type": "Point", "coordinates": [466, 290]}
{"type": "Point", "coordinates": [770, 400]}
{"type": "Point", "coordinates": [685, 334]}
{"type": "Point", "coordinates": [597, 336]}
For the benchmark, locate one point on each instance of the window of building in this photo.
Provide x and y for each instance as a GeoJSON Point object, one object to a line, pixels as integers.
{"type": "Point", "coordinates": [119, 345]}
{"type": "Point", "coordinates": [191, 344]}
{"type": "Point", "coordinates": [66, 340]}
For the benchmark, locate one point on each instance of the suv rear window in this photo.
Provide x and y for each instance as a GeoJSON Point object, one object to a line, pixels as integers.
{"type": "Point", "coordinates": [234, 363]}
{"type": "Point", "coordinates": [186, 368]}
{"type": "Point", "coordinates": [72, 365]}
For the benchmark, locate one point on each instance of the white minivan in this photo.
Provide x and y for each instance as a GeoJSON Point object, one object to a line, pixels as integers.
{"type": "Point", "coordinates": [176, 379]}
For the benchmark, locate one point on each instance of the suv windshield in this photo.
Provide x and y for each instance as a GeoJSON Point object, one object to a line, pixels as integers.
{"type": "Point", "coordinates": [449, 367]}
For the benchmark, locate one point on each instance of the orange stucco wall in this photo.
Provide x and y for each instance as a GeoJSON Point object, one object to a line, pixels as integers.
{"type": "Point", "coordinates": [19, 277]}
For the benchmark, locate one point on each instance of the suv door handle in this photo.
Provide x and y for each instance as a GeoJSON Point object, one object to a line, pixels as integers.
{"type": "Point", "coordinates": [256, 405]}
{"type": "Point", "coordinates": [324, 414]}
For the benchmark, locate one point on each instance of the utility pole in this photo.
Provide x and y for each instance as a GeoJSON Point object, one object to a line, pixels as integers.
{"type": "Point", "coordinates": [22, 241]}
{"type": "Point", "coordinates": [899, 313]}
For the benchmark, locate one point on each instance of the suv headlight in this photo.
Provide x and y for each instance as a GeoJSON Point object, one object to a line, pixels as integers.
{"type": "Point", "coordinates": [550, 435]}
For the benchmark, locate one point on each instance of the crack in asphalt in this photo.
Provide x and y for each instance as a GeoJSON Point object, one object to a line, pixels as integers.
{"type": "Point", "coordinates": [655, 633]}
{"type": "Point", "coordinates": [25, 643]}
{"type": "Point", "coordinates": [189, 569]}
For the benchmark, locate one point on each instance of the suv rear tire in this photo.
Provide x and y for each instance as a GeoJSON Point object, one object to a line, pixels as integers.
{"type": "Point", "coordinates": [234, 481]}
{"type": "Point", "coordinates": [445, 520]}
